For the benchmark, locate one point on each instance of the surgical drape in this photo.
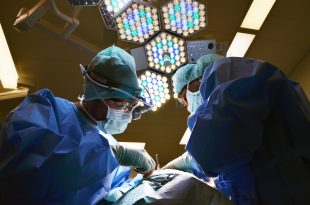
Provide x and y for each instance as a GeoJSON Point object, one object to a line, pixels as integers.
{"type": "Point", "coordinates": [49, 154]}
{"type": "Point", "coordinates": [252, 114]}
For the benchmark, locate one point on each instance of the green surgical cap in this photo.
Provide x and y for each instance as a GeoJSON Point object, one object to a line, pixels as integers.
{"type": "Point", "coordinates": [116, 66]}
{"type": "Point", "coordinates": [182, 77]}
{"type": "Point", "coordinates": [190, 72]}
{"type": "Point", "coordinates": [205, 61]}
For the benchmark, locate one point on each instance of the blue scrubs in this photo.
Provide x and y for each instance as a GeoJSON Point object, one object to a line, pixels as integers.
{"type": "Point", "coordinates": [253, 130]}
{"type": "Point", "coordinates": [49, 154]}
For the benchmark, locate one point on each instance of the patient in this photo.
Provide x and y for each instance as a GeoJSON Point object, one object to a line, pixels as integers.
{"type": "Point", "coordinates": [167, 186]}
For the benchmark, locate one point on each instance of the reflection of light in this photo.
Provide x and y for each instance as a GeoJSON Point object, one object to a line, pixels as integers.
{"type": "Point", "coordinates": [184, 17]}
{"type": "Point", "coordinates": [157, 86]}
{"type": "Point", "coordinates": [138, 23]}
{"type": "Point", "coordinates": [8, 74]}
{"type": "Point", "coordinates": [186, 137]}
{"type": "Point", "coordinates": [166, 52]}
{"type": "Point", "coordinates": [112, 141]}
{"type": "Point", "coordinates": [16, 93]}
{"type": "Point", "coordinates": [134, 145]}
{"type": "Point", "coordinates": [83, 2]}
{"type": "Point", "coordinates": [240, 44]}
{"type": "Point", "coordinates": [257, 14]}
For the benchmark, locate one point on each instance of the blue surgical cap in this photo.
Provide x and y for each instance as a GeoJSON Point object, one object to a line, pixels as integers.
{"type": "Point", "coordinates": [117, 67]}
{"type": "Point", "coordinates": [190, 72]}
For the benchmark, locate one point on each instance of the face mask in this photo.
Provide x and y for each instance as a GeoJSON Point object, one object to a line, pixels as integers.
{"type": "Point", "coordinates": [193, 99]}
{"type": "Point", "coordinates": [117, 121]}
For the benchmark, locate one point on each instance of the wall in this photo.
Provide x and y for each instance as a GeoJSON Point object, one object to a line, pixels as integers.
{"type": "Point", "coordinates": [301, 74]}
{"type": "Point", "coordinates": [7, 105]}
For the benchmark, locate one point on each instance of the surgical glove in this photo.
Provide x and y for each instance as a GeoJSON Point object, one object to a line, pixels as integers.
{"type": "Point", "coordinates": [184, 163]}
{"type": "Point", "coordinates": [138, 158]}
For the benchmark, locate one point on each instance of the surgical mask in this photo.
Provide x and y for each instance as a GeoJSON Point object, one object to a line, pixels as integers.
{"type": "Point", "coordinates": [193, 100]}
{"type": "Point", "coordinates": [117, 121]}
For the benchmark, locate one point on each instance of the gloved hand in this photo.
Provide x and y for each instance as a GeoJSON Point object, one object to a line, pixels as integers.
{"type": "Point", "coordinates": [184, 163]}
{"type": "Point", "coordinates": [187, 163]}
{"type": "Point", "coordinates": [138, 158]}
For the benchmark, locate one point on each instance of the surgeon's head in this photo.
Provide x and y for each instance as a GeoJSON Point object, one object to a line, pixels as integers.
{"type": "Point", "coordinates": [187, 79]}
{"type": "Point", "coordinates": [111, 90]}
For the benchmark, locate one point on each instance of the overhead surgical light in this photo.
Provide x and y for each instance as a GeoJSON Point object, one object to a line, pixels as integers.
{"type": "Point", "coordinates": [107, 17]}
{"type": "Point", "coordinates": [115, 6]}
{"type": "Point", "coordinates": [184, 17]}
{"type": "Point", "coordinates": [8, 73]}
{"type": "Point", "coordinates": [138, 23]}
{"type": "Point", "coordinates": [257, 14]}
{"type": "Point", "coordinates": [166, 52]}
{"type": "Point", "coordinates": [240, 44]}
{"type": "Point", "coordinates": [157, 86]}
{"type": "Point", "coordinates": [83, 2]}
{"type": "Point", "coordinates": [109, 9]}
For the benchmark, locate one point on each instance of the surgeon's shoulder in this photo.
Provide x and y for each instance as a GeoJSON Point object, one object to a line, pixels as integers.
{"type": "Point", "coordinates": [44, 97]}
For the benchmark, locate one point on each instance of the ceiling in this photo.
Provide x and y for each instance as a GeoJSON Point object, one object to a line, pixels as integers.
{"type": "Point", "coordinates": [51, 62]}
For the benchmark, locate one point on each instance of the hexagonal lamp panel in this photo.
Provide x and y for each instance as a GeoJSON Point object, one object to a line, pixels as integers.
{"type": "Point", "coordinates": [184, 17]}
{"type": "Point", "coordinates": [157, 88]}
{"type": "Point", "coordinates": [138, 23]}
{"type": "Point", "coordinates": [166, 52]}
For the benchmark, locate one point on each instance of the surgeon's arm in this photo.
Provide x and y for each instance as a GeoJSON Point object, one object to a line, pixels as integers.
{"type": "Point", "coordinates": [137, 158]}
{"type": "Point", "coordinates": [185, 162]}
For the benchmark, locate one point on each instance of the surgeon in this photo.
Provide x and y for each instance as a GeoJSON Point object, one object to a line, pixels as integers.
{"type": "Point", "coordinates": [186, 82]}
{"type": "Point", "coordinates": [251, 129]}
{"type": "Point", "coordinates": [51, 151]}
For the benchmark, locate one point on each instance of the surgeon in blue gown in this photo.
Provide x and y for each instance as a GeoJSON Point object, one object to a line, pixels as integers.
{"type": "Point", "coordinates": [51, 151]}
{"type": "Point", "coordinates": [251, 129]}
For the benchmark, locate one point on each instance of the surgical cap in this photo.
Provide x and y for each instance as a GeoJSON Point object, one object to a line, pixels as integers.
{"type": "Point", "coordinates": [203, 62]}
{"type": "Point", "coordinates": [190, 72]}
{"type": "Point", "coordinates": [182, 77]}
{"type": "Point", "coordinates": [117, 67]}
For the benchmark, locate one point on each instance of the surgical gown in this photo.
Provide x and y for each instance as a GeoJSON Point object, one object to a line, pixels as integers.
{"type": "Point", "coordinates": [253, 128]}
{"type": "Point", "coordinates": [49, 154]}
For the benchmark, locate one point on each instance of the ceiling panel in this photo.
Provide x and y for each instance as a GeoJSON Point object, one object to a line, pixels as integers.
{"type": "Point", "coordinates": [284, 37]}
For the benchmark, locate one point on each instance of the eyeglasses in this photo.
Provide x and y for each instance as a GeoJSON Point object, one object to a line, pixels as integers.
{"type": "Point", "coordinates": [102, 82]}
{"type": "Point", "coordinates": [120, 104]}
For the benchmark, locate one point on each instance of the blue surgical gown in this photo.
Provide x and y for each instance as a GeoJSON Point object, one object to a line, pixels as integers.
{"type": "Point", "coordinates": [253, 128]}
{"type": "Point", "coordinates": [49, 154]}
